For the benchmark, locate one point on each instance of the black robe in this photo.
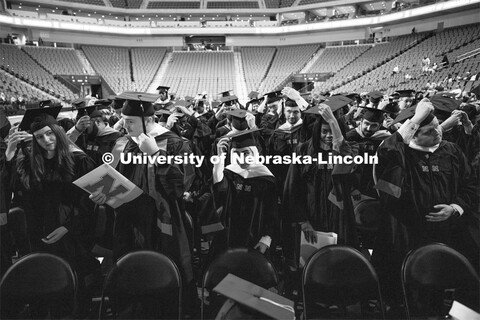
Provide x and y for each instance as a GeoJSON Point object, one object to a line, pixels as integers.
{"type": "Point", "coordinates": [157, 219]}
{"type": "Point", "coordinates": [249, 210]}
{"type": "Point", "coordinates": [411, 182]}
{"type": "Point", "coordinates": [52, 204]}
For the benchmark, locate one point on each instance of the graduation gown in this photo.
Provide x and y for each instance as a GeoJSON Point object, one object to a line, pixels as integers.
{"type": "Point", "coordinates": [52, 204]}
{"type": "Point", "coordinates": [101, 144]}
{"type": "Point", "coordinates": [157, 219]}
{"type": "Point", "coordinates": [411, 182]}
{"type": "Point", "coordinates": [364, 173]}
{"type": "Point", "coordinates": [249, 209]}
{"type": "Point", "coordinates": [282, 142]}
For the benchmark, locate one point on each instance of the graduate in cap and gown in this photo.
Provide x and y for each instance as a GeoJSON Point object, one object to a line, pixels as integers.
{"type": "Point", "coordinates": [428, 194]}
{"type": "Point", "coordinates": [60, 218]}
{"type": "Point", "coordinates": [155, 220]}
{"type": "Point", "coordinates": [245, 192]}
{"type": "Point", "coordinates": [308, 199]}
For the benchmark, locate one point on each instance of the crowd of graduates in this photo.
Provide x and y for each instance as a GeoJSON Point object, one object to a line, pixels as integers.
{"type": "Point", "coordinates": [423, 189]}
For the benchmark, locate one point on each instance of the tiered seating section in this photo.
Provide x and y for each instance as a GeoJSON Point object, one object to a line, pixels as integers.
{"type": "Point", "coordinates": [173, 5]}
{"type": "Point", "coordinates": [62, 61]}
{"type": "Point", "coordinates": [255, 63]}
{"type": "Point", "coordinates": [193, 72]}
{"type": "Point", "coordinates": [286, 3]}
{"type": "Point", "coordinates": [305, 2]}
{"type": "Point", "coordinates": [146, 62]}
{"type": "Point", "coordinates": [335, 58]}
{"type": "Point", "coordinates": [232, 5]}
{"type": "Point", "coordinates": [287, 60]}
{"type": "Point", "coordinates": [113, 65]}
{"type": "Point", "coordinates": [368, 61]}
{"type": "Point", "coordinates": [13, 87]}
{"type": "Point", "coordinates": [272, 4]}
{"type": "Point", "coordinates": [129, 4]}
{"type": "Point", "coordinates": [411, 62]}
{"type": "Point", "coordinates": [18, 63]}
{"type": "Point", "coordinates": [92, 2]}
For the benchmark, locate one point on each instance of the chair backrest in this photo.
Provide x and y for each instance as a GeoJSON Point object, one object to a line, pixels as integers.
{"type": "Point", "coordinates": [249, 265]}
{"type": "Point", "coordinates": [339, 274]}
{"type": "Point", "coordinates": [437, 266]}
{"type": "Point", "coordinates": [141, 274]}
{"type": "Point", "coordinates": [38, 276]}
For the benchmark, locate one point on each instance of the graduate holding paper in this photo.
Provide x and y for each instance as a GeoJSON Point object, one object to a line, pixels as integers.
{"type": "Point", "coordinates": [246, 192]}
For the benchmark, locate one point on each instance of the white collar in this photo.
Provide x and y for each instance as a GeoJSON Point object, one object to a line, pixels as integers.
{"type": "Point", "coordinates": [287, 125]}
{"type": "Point", "coordinates": [155, 131]}
{"type": "Point", "coordinates": [415, 146]}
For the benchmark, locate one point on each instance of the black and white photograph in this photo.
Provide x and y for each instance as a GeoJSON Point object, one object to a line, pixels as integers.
{"type": "Point", "coordinates": [240, 159]}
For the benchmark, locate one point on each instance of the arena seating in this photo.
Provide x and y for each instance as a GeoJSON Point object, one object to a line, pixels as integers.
{"type": "Point", "coordinates": [305, 2]}
{"type": "Point", "coordinates": [173, 5]}
{"type": "Point", "coordinates": [286, 3]}
{"type": "Point", "coordinates": [371, 58]}
{"type": "Point", "coordinates": [335, 58]}
{"type": "Point", "coordinates": [146, 62]}
{"type": "Point", "coordinates": [255, 64]}
{"type": "Point", "coordinates": [232, 4]}
{"type": "Point", "coordinates": [18, 63]}
{"type": "Point", "coordinates": [193, 72]}
{"type": "Point", "coordinates": [14, 87]}
{"type": "Point", "coordinates": [56, 60]}
{"type": "Point", "coordinates": [112, 63]}
{"type": "Point", "coordinates": [288, 60]}
{"type": "Point", "coordinates": [92, 2]}
{"type": "Point", "coordinates": [272, 4]}
{"type": "Point", "coordinates": [410, 62]}
{"type": "Point", "coordinates": [129, 4]}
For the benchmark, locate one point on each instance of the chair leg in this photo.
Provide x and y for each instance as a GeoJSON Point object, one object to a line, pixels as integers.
{"type": "Point", "coordinates": [405, 300]}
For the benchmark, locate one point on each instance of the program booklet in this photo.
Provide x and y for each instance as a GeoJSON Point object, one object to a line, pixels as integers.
{"type": "Point", "coordinates": [113, 184]}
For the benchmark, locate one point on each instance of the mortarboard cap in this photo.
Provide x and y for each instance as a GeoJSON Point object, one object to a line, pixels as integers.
{"type": "Point", "coordinates": [444, 105]}
{"type": "Point", "coordinates": [225, 99]}
{"type": "Point", "coordinates": [85, 110]}
{"type": "Point", "coordinates": [44, 103]}
{"type": "Point", "coordinates": [335, 103]}
{"type": "Point", "coordinates": [253, 95]}
{"type": "Point", "coordinates": [273, 96]}
{"type": "Point", "coordinates": [102, 104]}
{"type": "Point", "coordinates": [36, 119]}
{"type": "Point", "coordinates": [476, 91]}
{"type": "Point", "coordinates": [78, 103]}
{"type": "Point", "coordinates": [163, 88]}
{"type": "Point", "coordinates": [138, 104]}
{"type": "Point", "coordinates": [239, 120]}
{"type": "Point", "coordinates": [117, 103]}
{"type": "Point", "coordinates": [215, 104]}
{"type": "Point", "coordinates": [255, 297]}
{"type": "Point", "coordinates": [306, 95]}
{"type": "Point", "coordinates": [374, 115]}
{"type": "Point", "coordinates": [225, 93]}
{"type": "Point", "coordinates": [405, 93]}
{"type": "Point", "coordinates": [243, 138]}
{"type": "Point", "coordinates": [375, 95]}
{"type": "Point", "coordinates": [353, 96]}
{"type": "Point", "coordinates": [409, 113]}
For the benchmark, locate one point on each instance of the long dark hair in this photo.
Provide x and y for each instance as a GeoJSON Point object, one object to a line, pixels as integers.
{"type": "Point", "coordinates": [31, 167]}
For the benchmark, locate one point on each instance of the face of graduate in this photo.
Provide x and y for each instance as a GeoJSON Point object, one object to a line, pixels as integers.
{"type": "Point", "coordinates": [369, 128]}
{"type": "Point", "coordinates": [242, 153]}
{"type": "Point", "coordinates": [292, 114]}
{"type": "Point", "coordinates": [46, 139]}
{"type": "Point", "coordinates": [163, 95]}
{"type": "Point", "coordinates": [429, 135]}
{"type": "Point", "coordinates": [326, 134]}
{"type": "Point", "coordinates": [200, 108]}
{"type": "Point", "coordinates": [133, 125]}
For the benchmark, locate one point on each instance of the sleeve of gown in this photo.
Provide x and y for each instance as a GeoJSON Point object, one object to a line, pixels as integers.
{"type": "Point", "coordinates": [295, 194]}
{"type": "Point", "coordinates": [468, 187]}
{"type": "Point", "coordinates": [82, 220]}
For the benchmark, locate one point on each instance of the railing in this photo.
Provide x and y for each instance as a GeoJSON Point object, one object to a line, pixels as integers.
{"type": "Point", "coordinates": [467, 55]}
